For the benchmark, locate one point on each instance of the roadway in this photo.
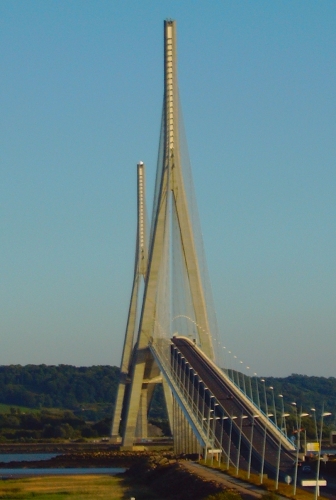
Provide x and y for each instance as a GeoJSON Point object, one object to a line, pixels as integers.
{"type": "Point", "coordinates": [230, 402]}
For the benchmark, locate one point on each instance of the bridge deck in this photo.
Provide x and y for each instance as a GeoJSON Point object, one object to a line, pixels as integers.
{"type": "Point", "coordinates": [232, 403]}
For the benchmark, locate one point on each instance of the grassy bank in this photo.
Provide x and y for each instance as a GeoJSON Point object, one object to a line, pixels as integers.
{"type": "Point", "coordinates": [88, 487]}
{"type": "Point", "coordinates": [150, 479]}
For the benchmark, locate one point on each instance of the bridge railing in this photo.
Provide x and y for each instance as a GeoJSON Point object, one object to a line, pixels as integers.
{"type": "Point", "coordinates": [201, 421]}
{"type": "Point", "coordinates": [277, 433]}
{"type": "Point", "coordinates": [264, 415]}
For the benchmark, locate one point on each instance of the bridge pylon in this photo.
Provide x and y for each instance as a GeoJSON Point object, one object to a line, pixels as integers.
{"type": "Point", "coordinates": [139, 370]}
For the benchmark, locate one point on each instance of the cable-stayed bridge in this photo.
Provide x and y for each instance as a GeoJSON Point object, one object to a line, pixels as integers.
{"type": "Point", "coordinates": [171, 331]}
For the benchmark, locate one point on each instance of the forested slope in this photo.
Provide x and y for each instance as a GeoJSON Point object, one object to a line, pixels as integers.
{"type": "Point", "coordinates": [91, 391]}
{"type": "Point", "coordinates": [62, 386]}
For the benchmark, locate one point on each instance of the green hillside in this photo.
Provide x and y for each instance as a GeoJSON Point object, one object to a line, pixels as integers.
{"type": "Point", "coordinates": [81, 399]}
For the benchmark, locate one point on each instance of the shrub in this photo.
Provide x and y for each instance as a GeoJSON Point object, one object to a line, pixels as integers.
{"type": "Point", "coordinates": [224, 495]}
{"type": "Point", "coordinates": [270, 495]}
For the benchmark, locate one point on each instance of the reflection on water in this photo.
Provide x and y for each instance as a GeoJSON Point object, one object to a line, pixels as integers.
{"type": "Point", "coordinates": [26, 457]}
{"type": "Point", "coordinates": [5, 473]}
{"type": "Point", "coordinates": [32, 457]}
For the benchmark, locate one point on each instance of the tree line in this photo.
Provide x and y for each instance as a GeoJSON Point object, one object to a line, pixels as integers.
{"type": "Point", "coordinates": [89, 393]}
{"type": "Point", "coordinates": [49, 425]}
{"type": "Point", "coordinates": [61, 386]}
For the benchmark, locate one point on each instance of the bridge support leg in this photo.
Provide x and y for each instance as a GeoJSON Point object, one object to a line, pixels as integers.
{"type": "Point", "coordinates": [115, 431]}
{"type": "Point", "coordinates": [142, 422]}
{"type": "Point", "coordinates": [134, 401]}
{"type": "Point", "coordinates": [169, 403]}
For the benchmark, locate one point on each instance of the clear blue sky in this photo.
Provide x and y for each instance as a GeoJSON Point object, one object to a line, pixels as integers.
{"type": "Point", "coordinates": [81, 92]}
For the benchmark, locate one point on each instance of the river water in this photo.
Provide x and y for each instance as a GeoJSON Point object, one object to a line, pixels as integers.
{"type": "Point", "coordinates": [32, 457]}
{"type": "Point", "coordinates": [26, 457]}
{"type": "Point", "coordinates": [59, 472]}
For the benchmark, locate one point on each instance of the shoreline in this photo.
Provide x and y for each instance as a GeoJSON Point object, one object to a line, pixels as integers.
{"type": "Point", "coordinates": [60, 447]}
{"type": "Point", "coordinates": [88, 459]}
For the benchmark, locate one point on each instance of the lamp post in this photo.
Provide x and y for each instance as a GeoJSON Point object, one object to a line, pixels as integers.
{"type": "Point", "coordinates": [257, 388]}
{"type": "Point", "coordinates": [236, 369]}
{"type": "Point", "coordinates": [305, 441]}
{"type": "Point", "coordinates": [317, 487]}
{"type": "Point", "coordinates": [214, 431]}
{"type": "Point", "coordinates": [298, 428]}
{"type": "Point", "coordinates": [231, 367]}
{"type": "Point", "coordinates": [274, 410]}
{"type": "Point", "coordinates": [191, 383]}
{"type": "Point", "coordinates": [174, 360]}
{"type": "Point", "coordinates": [222, 430]}
{"type": "Point", "coordinates": [314, 413]}
{"type": "Point", "coordinates": [193, 391]}
{"type": "Point", "coordinates": [265, 396]}
{"type": "Point", "coordinates": [297, 448]}
{"type": "Point", "coordinates": [225, 363]}
{"type": "Point", "coordinates": [239, 442]}
{"type": "Point", "coordinates": [198, 393]}
{"type": "Point", "coordinates": [263, 458]}
{"type": "Point", "coordinates": [243, 377]}
{"type": "Point", "coordinates": [278, 465]}
{"type": "Point", "coordinates": [250, 383]}
{"type": "Point", "coordinates": [207, 419]}
{"type": "Point", "coordinates": [283, 421]}
{"type": "Point", "coordinates": [264, 447]}
{"type": "Point", "coordinates": [251, 445]}
{"type": "Point", "coordinates": [210, 410]}
{"type": "Point", "coordinates": [180, 367]}
{"type": "Point", "coordinates": [186, 363]}
{"type": "Point", "coordinates": [229, 442]}
{"type": "Point", "coordinates": [203, 402]}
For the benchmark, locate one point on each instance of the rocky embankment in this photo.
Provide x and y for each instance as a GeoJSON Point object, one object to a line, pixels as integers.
{"type": "Point", "coordinates": [169, 479]}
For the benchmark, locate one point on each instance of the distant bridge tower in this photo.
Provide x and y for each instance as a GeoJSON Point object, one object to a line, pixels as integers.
{"type": "Point", "coordinates": [139, 371]}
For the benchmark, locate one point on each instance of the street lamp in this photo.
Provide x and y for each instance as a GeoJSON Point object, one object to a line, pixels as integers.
{"type": "Point", "coordinates": [198, 393]}
{"type": "Point", "coordinates": [317, 487]}
{"type": "Point", "coordinates": [264, 440]}
{"type": "Point", "coordinates": [257, 388]}
{"type": "Point", "coordinates": [174, 360]}
{"type": "Point", "coordinates": [314, 413]}
{"type": "Point", "coordinates": [203, 402]}
{"type": "Point", "coordinates": [185, 376]}
{"type": "Point", "coordinates": [236, 369]}
{"type": "Point", "coordinates": [297, 447]}
{"type": "Point", "coordinates": [193, 388]}
{"type": "Point", "coordinates": [265, 396]}
{"type": "Point", "coordinates": [243, 377]}
{"type": "Point", "coordinates": [283, 421]}
{"type": "Point", "coordinates": [229, 442]}
{"type": "Point", "coordinates": [273, 399]}
{"type": "Point", "coordinates": [250, 383]}
{"type": "Point", "coordinates": [263, 457]}
{"type": "Point", "coordinates": [186, 382]}
{"type": "Point", "coordinates": [231, 368]}
{"type": "Point", "coordinates": [251, 445]}
{"type": "Point", "coordinates": [278, 465]}
{"type": "Point", "coordinates": [239, 442]}
{"type": "Point", "coordinates": [298, 428]}
{"type": "Point", "coordinates": [225, 361]}
{"type": "Point", "coordinates": [210, 410]}
{"type": "Point", "coordinates": [214, 431]}
{"type": "Point", "coordinates": [222, 430]}
{"type": "Point", "coordinates": [182, 373]}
